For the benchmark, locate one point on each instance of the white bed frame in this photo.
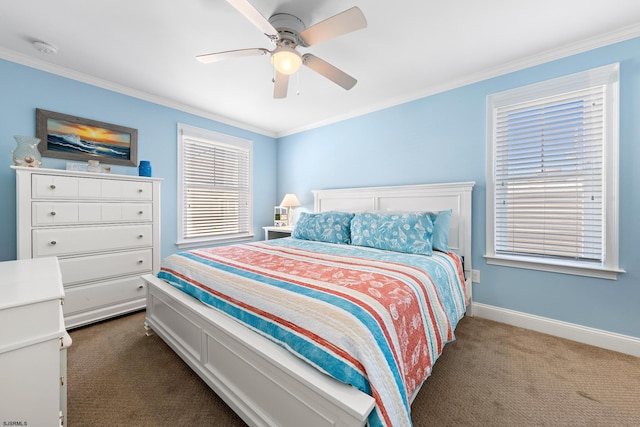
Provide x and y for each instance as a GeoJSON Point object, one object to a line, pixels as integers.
{"type": "Point", "coordinates": [261, 381]}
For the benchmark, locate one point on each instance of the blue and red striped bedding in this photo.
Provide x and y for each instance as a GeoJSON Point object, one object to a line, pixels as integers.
{"type": "Point", "coordinates": [374, 319]}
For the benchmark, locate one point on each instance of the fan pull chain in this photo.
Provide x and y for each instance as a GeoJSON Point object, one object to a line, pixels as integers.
{"type": "Point", "coordinates": [298, 83]}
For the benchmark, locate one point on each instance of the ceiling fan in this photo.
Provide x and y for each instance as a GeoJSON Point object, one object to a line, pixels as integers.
{"type": "Point", "coordinates": [287, 32]}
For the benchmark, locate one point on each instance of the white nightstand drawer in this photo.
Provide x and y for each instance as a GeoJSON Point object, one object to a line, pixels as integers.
{"type": "Point", "coordinates": [69, 213]}
{"type": "Point", "coordinates": [69, 241]}
{"type": "Point", "coordinates": [96, 267]}
{"type": "Point", "coordinates": [21, 318]}
{"type": "Point", "coordinates": [102, 294]}
{"type": "Point", "coordinates": [273, 232]}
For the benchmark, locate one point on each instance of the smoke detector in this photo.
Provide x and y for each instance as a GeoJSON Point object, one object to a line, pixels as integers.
{"type": "Point", "coordinates": [45, 47]}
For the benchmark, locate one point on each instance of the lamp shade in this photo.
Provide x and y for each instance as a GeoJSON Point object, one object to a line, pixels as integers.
{"type": "Point", "coordinates": [290, 201]}
{"type": "Point", "coordinates": [286, 60]}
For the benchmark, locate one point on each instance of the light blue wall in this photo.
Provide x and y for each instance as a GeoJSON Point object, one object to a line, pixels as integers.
{"type": "Point", "coordinates": [442, 138]}
{"type": "Point", "coordinates": [23, 89]}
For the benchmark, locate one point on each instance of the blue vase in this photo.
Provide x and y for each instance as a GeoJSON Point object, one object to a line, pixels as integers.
{"type": "Point", "coordinates": [145, 168]}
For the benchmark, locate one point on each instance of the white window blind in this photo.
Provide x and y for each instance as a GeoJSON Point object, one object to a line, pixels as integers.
{"type": "Point", "coordinates": [214, 185]}
{"type": "Point", "coordinates": [549, 177]}
{"type": "Point", "coordinates": [552, 175]}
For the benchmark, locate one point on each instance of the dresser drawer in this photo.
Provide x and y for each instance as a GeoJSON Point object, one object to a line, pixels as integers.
{"type": "Point", "coordinates": [70, 213]}
{"type": "Point", "coordinates": [24, 324]}
{"type": "Point", "coordinates": [65, 187]}
{"type": "Point", "coordinates": [96, 267]}
{"type": "Point", "coordinates": [68, 241]}
{"type": "Point", "coordinates": [94, 296]}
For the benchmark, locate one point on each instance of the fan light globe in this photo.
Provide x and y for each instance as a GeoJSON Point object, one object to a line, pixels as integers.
{"type": "Point", "coordinates": [286, 60]}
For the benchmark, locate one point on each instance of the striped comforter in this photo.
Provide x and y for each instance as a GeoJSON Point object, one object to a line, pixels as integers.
{"type": "Point", "coordinates": [374, 319]}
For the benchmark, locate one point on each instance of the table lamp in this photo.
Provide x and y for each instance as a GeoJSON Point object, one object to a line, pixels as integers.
{"type": "Point", "coordinates": [290, 201]}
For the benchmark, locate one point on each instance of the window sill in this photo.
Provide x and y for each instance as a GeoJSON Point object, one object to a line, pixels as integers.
{"type": "Point", "coordinates": [564, 268]}
{"type": "Point", "coordinates": [210, 241]}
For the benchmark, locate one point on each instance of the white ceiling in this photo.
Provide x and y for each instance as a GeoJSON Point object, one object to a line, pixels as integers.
{"type": "Point", "coordinates": [410, 49]}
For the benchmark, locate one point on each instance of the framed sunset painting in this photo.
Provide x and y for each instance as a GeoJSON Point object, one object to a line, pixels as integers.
{"type": "Point", "coordinates": [74, 138]}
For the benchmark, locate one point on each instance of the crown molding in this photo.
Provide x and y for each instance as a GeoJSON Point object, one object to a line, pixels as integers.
{"type": "Point", "coordinates": [69, 73]}
{"type": "Point", "coordinates": [619, 35]}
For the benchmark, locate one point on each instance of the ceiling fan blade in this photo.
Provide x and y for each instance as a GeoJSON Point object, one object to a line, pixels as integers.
{"type": "Point", "coordinates": [344, 22]}
{"type": "Point", "coordinates": [280, 85]}
{"type": "Point", "coordinates": [327, 70]}
{"type": "Point", "coordinates": [220, 56]}
{"type": "Point", "coordinates": [255, 17]}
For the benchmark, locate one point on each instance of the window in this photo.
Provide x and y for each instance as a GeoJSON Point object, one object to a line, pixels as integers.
{"type": "Point", "coordinates": [214, 187]}
{"type": "Point", "coordinates": [552, 175]}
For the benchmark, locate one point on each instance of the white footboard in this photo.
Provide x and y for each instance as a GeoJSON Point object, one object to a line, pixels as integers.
{"type": "Point", "coordinates": [259, 380]}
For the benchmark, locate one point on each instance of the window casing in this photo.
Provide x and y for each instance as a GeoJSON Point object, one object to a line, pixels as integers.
{"type": "Point", "coordinates": [214, 187]}
{"type": "Point", "coordinates": [552, 175]}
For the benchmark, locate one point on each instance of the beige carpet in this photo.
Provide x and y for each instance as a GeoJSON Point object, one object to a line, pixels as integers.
{"type": "Point", "coordinates": [493, 375]}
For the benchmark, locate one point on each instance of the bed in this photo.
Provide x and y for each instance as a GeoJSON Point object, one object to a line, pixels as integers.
{"type": "Point", "coordinates": [256, 360]}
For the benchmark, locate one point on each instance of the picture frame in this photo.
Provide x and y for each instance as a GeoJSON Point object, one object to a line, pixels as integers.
{"type": "Point", "coordinates": [70, 137]}
{"type": "Point", "coordinates": [280, 216]}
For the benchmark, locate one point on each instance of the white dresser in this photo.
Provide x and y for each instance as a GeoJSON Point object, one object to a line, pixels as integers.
{"type": "Point", "coordinates": [33, 342]}
{"type": "Point", "coordinates": [104, 229]}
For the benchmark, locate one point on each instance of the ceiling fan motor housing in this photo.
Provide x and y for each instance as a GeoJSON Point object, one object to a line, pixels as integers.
{"type": "Point", "coordinates": [289, 28]}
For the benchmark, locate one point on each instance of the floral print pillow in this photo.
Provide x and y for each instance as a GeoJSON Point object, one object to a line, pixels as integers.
{"type": "Point", "coordinates": [409, 232]}
{"type": "Point", "coordinates": [329, 227]}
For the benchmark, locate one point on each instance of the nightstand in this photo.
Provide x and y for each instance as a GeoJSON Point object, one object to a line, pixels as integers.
{"type": "Point", "coordinates": [273, 232]}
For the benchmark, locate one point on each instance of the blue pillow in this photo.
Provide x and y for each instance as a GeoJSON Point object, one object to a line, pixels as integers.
{"type": "Point", "coordinates": [329, 227]}
{"type": "Point", "coordinates": [409, 232]}
{"type": "Point", "coordinates": [441, 222]}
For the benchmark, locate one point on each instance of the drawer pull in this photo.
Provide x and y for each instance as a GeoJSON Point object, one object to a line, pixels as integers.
{"type": "Point", "coordinates": [140, 190]}
{"type": "Point", "coordinates": [52, 186]}
{"type": "Point", "coordinates": [140, 236]}
{"type": "Point", "coordinates": [53, 213]}
{"type": "Point", "coordinates": [140, 212]}
{"type": "Point", "coordinates": [53, 242]}
{"type": "Point", "coordinates": [140, 261]}
{"type": "Point", "coordinates": [141, 287]}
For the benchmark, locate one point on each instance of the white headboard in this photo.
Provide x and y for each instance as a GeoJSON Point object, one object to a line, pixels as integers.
{"type": "Point", "coordinates": [411, 198]}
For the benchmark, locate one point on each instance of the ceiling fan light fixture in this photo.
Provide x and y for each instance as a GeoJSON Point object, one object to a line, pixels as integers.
{"type": "Point", "coordinates": [286, 60]}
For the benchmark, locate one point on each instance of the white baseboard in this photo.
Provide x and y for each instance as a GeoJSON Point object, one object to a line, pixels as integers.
{"type": "Point", "coordinates": [596, 337]}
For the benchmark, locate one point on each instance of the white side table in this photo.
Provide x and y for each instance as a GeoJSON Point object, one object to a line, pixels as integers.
{"type": "Point", "coordinates": [33, 343]}
{"type": "Point", "coordinates": [273, 232]}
